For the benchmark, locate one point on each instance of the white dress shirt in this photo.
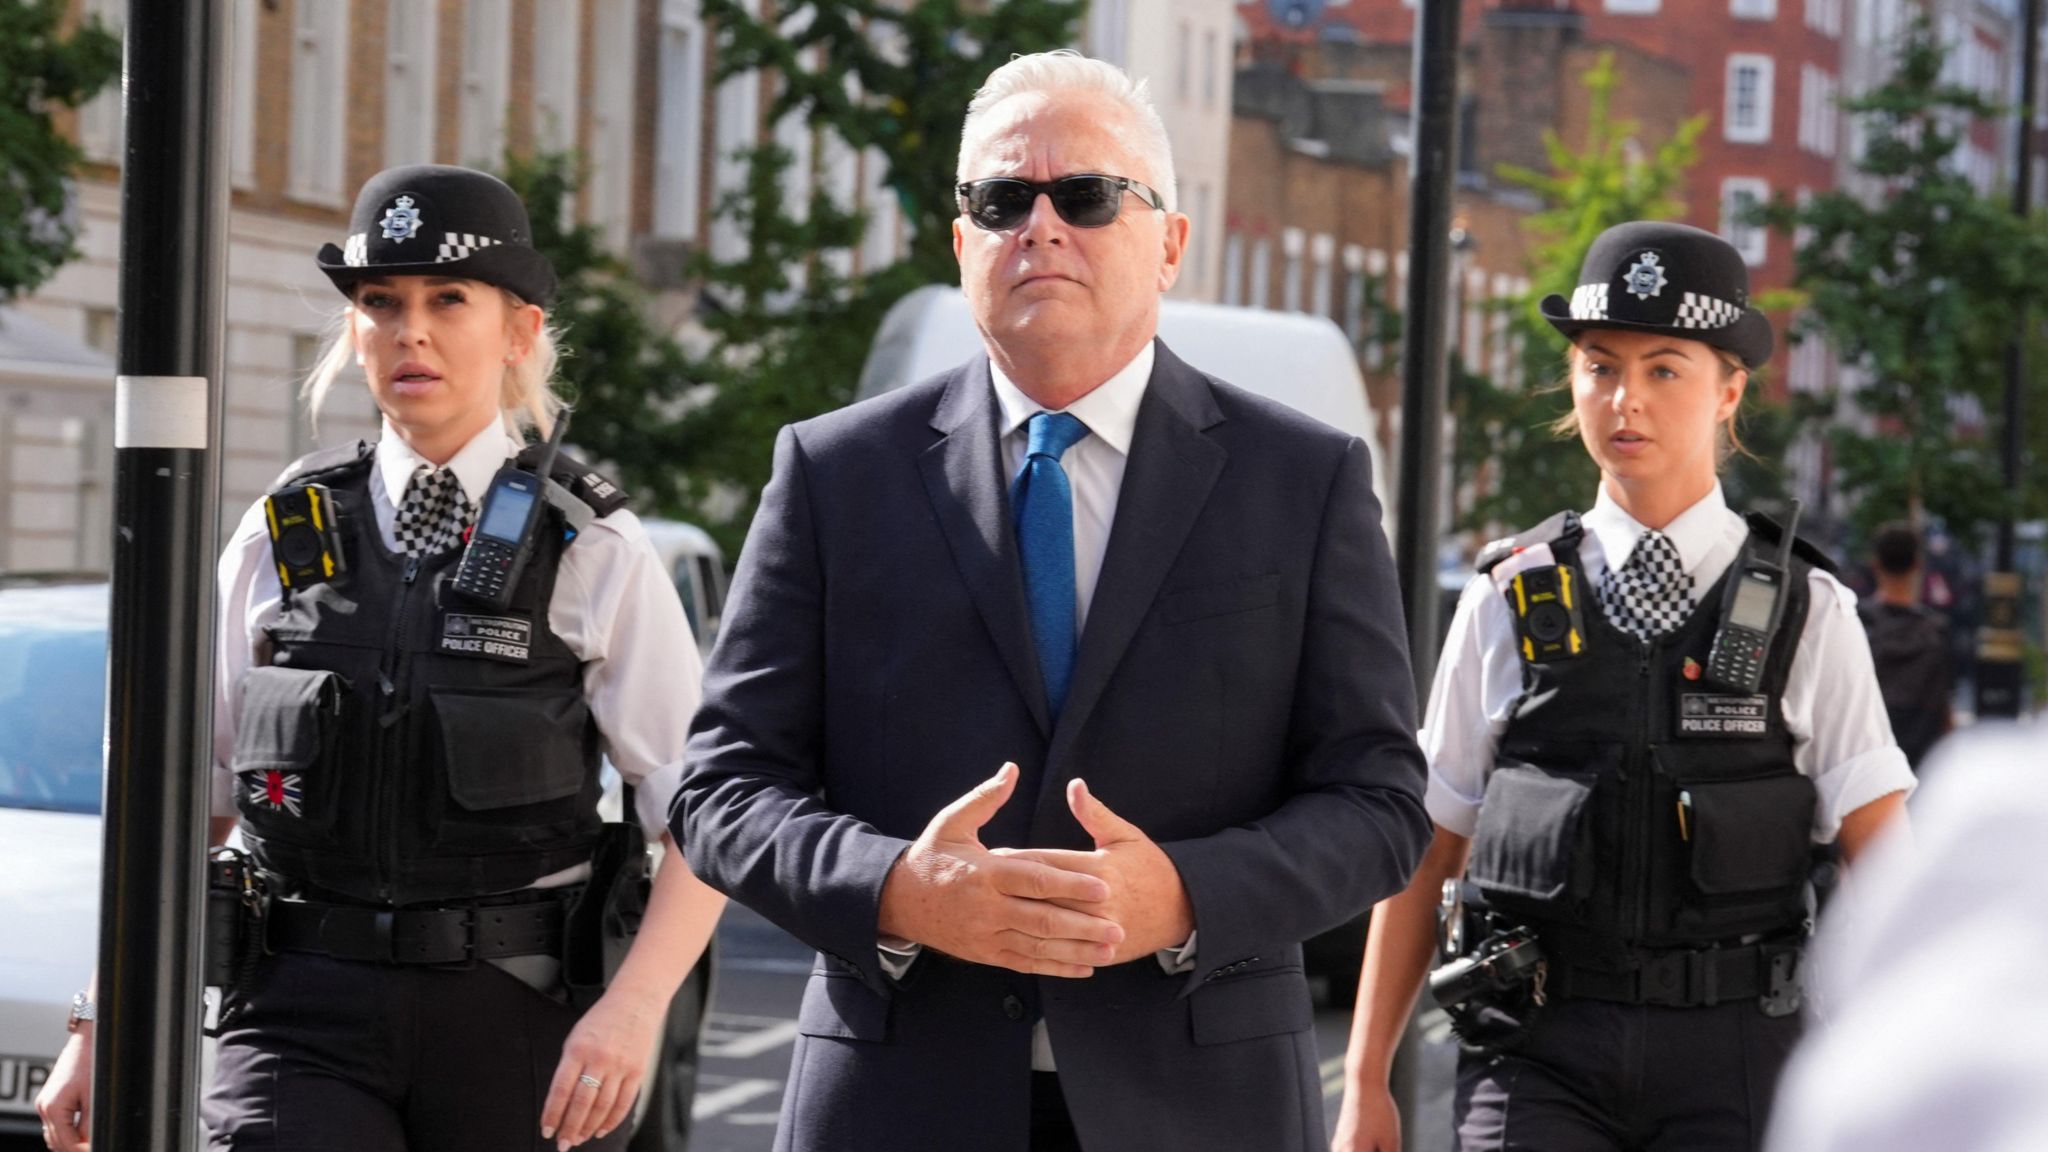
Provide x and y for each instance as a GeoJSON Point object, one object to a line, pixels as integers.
{"type": "Point", "coordinates": [613, 605]}
{"type": "Point", "coordinates": [1841, 736]}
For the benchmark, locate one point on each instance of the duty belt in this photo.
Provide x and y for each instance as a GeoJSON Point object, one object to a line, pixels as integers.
{"type": "Point", "coordinates": [1688, 978]}
{"type": "Point", "coordinates": [417, 935]}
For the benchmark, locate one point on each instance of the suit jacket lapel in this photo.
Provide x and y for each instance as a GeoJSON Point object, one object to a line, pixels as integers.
{"type": "Point", "coordinates": [1172, 467]}
{"type": "Point", "coordinates": [963, 476]}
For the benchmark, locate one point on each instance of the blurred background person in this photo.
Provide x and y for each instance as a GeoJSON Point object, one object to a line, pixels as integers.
{"type": "Point", "coordinates": [1909, 644]}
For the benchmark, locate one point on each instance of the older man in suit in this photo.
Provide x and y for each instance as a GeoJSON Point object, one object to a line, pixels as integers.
{"type": "Point", "coordinates": [1061, 696]}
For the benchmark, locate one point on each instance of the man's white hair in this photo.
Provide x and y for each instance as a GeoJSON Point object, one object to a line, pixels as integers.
{"type": "Point", "coordinates": [1068, 71]}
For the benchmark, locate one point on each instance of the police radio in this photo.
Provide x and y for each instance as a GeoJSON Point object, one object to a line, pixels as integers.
{"type": "Point", "coordinates": [1751, 607]}
{"type": "Point", "coordinates": [305, 541]}
{"type": "Point", "coordinates": [504, 532]}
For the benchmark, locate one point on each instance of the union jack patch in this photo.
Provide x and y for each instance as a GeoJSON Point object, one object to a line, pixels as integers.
{"type": "Point", "coordinates": [279, 791]}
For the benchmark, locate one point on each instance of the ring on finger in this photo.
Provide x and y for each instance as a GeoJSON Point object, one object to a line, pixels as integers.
{"type": "Point", "coordinates": [589, 1081]}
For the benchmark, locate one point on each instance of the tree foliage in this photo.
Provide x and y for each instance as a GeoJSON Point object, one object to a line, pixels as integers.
{"type": "Point", "coordinates": [42, 68]}
{"type": "Point", "coordinates": [1919, 285]}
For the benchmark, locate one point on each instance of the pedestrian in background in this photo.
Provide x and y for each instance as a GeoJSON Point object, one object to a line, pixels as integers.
{"type": "Point", "coordinates": [425, 806]}
{"type": "Point", "coordinates": [1060, 696]}
{"type": "Point", "coordinates": [1909, 644]}
{"type": "Point", "coordinates": [1596, 780]}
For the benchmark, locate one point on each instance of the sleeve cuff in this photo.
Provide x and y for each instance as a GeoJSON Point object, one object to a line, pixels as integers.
{"type": "Point", "coordinates": [1178, 960]}
{"type": "Point", "coordinates": [1849, 786]}
{"type": "Point", "coordinates": [897, 955]}
{"type": "Point", "coordinates": [1449, 808]}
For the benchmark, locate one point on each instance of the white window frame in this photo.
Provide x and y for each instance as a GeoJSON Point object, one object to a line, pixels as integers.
{"type": "Point", "coordinates": [101, 130]}
{"type": "Point", "coordinates": [611, 120]}
{"type": "Point", "coordinates": [1210, 52]}
{"type": "Point", "coordinates": [1261, 292]}
{"type": "Point", "coordinates": [1109, 30]}
{"type": "Point", "coordinates": [1184, 61]}
{"type": "Point", "coordinates": [1232, 292]}
{"type": "Point", "coordinates": [1634, 7]}
{"type": "Point", "coordinates": [1757, 130]}
{"type": "Point", "coordinates": [1754, 242]}
{"type": "Point", "coordinates": [319, 140]}
{"type": "Point", "coordinates": [738, 127]}
{"type": "Point", "coordinates": [679, 128]}
{"type": "Point", "coordinates": [242, 96]}
{"type": "Point", "coordinates": [486, 81]}
{"type": "Point", "coordinates": [1293, 242]}
{"type": "Point", "coordinates": [1753, 9]}
{"type": "Point", "coordinates": [557, 79]}
{"type": "Point", "coordinates": [411, 62]}
{"type": "Point", "coordinates": [1323, 258]}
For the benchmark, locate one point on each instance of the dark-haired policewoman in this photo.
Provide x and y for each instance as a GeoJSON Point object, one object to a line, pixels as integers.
{"type": "Point", "coordinates": [413, 751]}
{"type": "Point", "coordinates": [1646, 716]}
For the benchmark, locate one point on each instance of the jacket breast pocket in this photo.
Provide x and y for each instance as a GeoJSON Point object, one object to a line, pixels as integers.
{"type": "Point", "coordinates": [514, 759]}
{"type": "Point", "coordinates": [842, 1008]}
{"type": "Point", "coordinates": [1228, 598]}
{"type": "Point", "coordinates": [1270, 1003]}
{"type": "Point", "coordinates": [286, 766]}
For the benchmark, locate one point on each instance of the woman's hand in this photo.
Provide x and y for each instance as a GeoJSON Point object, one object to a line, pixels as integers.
{"type": "Point", "coordinates": [611, 1045]}
{"type": "Point", "coordinates": [65, 1103]}
{"type": "Point", "coordinates": [1367, 1122]}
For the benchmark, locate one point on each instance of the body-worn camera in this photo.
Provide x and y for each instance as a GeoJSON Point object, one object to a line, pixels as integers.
{"type": "Point", "coordinates": [305, 541]}
{"type": "Point", "coordinates": [1549, 623]}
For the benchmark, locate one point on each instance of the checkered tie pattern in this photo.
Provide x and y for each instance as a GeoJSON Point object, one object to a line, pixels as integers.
{"type": "Point", "coordinates": [434, 513]}
{"type": "Point", "coordinates": [1652, 593]}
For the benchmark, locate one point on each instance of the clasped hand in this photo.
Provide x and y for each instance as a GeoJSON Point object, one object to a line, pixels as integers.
{"type": "Point", "coordinates": [1042, 911]}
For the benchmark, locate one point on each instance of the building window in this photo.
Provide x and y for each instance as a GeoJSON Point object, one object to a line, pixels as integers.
{"type": "Point", "coordinates": [739, 128]}
{"type": "Point", "coordinates": [1108, 31]}
{"type": "Point", "coordinates": [1753, 9]}
{"type": "Point", "coordinates": [1262, 274]}
{"type": "Point", "coordinates": [557, 44]}
{"type": "Point", "coordinates": [680, 119]}
{"type": "Point", "coordinates": [1824, 16]}
{"type": "Point", "coordinates": [242, 109]}
{"type": "Point", "coordinates": [319, 102]}
{"type": "Point", "coordinates": [1740, 196]}
{"type": "Point", "coordinates": [1210, 50]}
{"type": "Point", "coordinates": [99, 122]}
{"type": "Point", "coordinates": [1183, 61]}
{"type": "Point", "coordinates": [1819, 117]}
{"type": "Point", "coordinates": [1748, 116]}
{"type": "Point", "coordinates": [411, 33]}
{"type": "Point", "coordinates": [1634, 7]}
{"type": "Point", "coordinates": [1323, 250]}
{"type": "Point", "coordinates": [1233, 269]}
{"type": "Point", "coordinates": [102, 330]}
{"type": "Point", "coordinates": [611, 120]}
{"type": "Point", "coordinates": [486, 80]}
{"type": "Point", "coordinates": [1292, 243]}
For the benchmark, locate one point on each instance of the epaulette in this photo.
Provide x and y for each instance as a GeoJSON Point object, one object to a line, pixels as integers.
{"type": "Point", "coordinates": [1563, 528]}
{"type": "Point", "coordinates": [1773, 533]}
{"type": "Point", "coordinates": [313, 465]}
{"type": "Point", "coordinates": [597, 492]}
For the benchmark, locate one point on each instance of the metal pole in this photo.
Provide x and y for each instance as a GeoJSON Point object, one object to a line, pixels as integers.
{"type": "Point", "coordinates": [2000, 651]}
{"type": "Point", "coordinates": [1432, 177]}
{"type": "Point", "coordinates": [166, 482]}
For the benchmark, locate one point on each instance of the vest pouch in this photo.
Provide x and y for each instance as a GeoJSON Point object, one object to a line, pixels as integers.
{"type": "Point", "coordinates": [285, 760]}
{"type": "Point", "coordinates": [1750, 844]}
{"type": "Point", "coordinates": [515, 767]}
{"type": "Point", "coordinates": [1532, 851]}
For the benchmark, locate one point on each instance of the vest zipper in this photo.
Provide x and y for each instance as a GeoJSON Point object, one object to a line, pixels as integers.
{"type": "Point", "coordinates": [1645, 791]}
{"type": "Point", "coordinates": [393, 684]}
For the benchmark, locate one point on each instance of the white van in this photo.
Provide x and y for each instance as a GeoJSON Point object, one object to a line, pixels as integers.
{"type": "Point", "coordinates": [1303, 361]}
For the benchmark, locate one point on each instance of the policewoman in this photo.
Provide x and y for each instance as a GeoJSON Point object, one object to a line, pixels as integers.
{"type": "Point", "coordinates": [416, 767]}
{"type": "Point", "coordinates": [1646, 715]}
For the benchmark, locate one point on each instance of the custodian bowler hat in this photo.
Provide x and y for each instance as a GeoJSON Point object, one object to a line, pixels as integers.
{"type": "Point", "coordinates": [440, 220]}
{"type": "Point", "coordinates": [1652, 276]}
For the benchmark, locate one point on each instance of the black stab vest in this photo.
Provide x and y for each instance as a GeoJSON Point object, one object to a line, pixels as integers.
{"type": "Point", "coordinates": [405, 745]}
{"type": "Point", "coordinates": [1634, 804]}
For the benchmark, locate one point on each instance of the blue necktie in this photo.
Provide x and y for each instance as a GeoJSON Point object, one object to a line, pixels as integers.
{"type": "Point", "coordinates": [1043, 502]}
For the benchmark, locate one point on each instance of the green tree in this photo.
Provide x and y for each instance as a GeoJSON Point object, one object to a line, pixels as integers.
{"type": "Point", "coordinates": [1918, 286]}
{"type": "Point", "coordinates": [788, 330]}
{"type": "Point", "coordinates": [42, 68]}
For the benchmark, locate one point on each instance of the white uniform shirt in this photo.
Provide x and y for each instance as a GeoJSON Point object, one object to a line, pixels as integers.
{"type": "Point", "coordinates": [1841, 736]}
{"type": "Point", "coordinates": [613, 605]}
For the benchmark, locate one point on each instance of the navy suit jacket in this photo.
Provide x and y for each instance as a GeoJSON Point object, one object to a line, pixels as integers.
{"type": "Point", "coordinates": [1241, 692]}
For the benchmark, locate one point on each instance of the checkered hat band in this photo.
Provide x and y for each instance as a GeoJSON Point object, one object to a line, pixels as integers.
{"type": "Point", "coordinates": [1699, 311]}
{"type": "Point", "coordinates": [356, 252]}
{"type": "Point", "coordinates": [458, 246]}
{"type": "Point", "coordinates": [434, 513]}
{"type": "Point", "coordinates": [1650, 595]}
{"type": "Point", "coordinates": [1589, 302]}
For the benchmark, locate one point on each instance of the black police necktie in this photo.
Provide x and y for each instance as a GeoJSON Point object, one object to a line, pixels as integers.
{"type": "Point", "coordinates": [434, 513]}
{"type": "Point", "coordinates": [1652, 593]}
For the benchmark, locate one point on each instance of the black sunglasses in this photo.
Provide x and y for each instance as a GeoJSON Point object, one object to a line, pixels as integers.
{"type": "Point", "coordinates": [1087, 201]}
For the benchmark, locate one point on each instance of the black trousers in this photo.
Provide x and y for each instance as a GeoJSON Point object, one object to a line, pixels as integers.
{"type": "Point", "coordinates": [1052, 1129]}
{"type": "Point", "coordinates": [1602, 1077]}
{"type": "Point", "coordinates": [338, 1056]}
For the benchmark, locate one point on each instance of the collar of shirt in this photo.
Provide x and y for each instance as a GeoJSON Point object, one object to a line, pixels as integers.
{"type": "Point", "coordinates": [473, 464]}
{"type": "Point", "coordinates": [1110, 411]}
{"type": "Point", "coordinates": [1696, 532]}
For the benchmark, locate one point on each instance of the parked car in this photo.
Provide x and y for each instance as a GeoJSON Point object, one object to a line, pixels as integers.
{"type": "Point", "coordinates": [53, 654]}
{"type": "Point", "coordinates": [697, 565]}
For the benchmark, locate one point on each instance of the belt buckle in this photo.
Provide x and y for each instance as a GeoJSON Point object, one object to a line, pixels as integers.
{"type": "Point", "coordinates": [468, 960]}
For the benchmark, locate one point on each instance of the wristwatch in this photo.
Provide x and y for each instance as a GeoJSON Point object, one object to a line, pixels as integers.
{"type": "Point", "coordinates": [83, 1011]}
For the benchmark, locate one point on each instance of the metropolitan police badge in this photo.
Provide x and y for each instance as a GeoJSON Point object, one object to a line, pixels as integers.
{"type": "Point", "coordinates": [401, 220]}
{"type": "Point", "coordinates": [1645, 278]}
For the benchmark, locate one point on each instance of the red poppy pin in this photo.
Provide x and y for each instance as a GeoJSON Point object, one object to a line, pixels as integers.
{"type": "Point", "coordinates": [1692, 668]}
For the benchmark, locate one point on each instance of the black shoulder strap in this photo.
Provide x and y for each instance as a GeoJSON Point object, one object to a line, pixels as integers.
{"type": "Point", "coordinates": [1770, 532]}
{"type": "Point", "coordinates": [1563, 530]}
{"type": "Point", "coordinates": [316, 467]}
{"type": "Point", "coordinates": [601, 495]}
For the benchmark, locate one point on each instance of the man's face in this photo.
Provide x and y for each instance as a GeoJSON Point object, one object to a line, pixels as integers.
{"type": "Point", "coordinates": [1046, 286]}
